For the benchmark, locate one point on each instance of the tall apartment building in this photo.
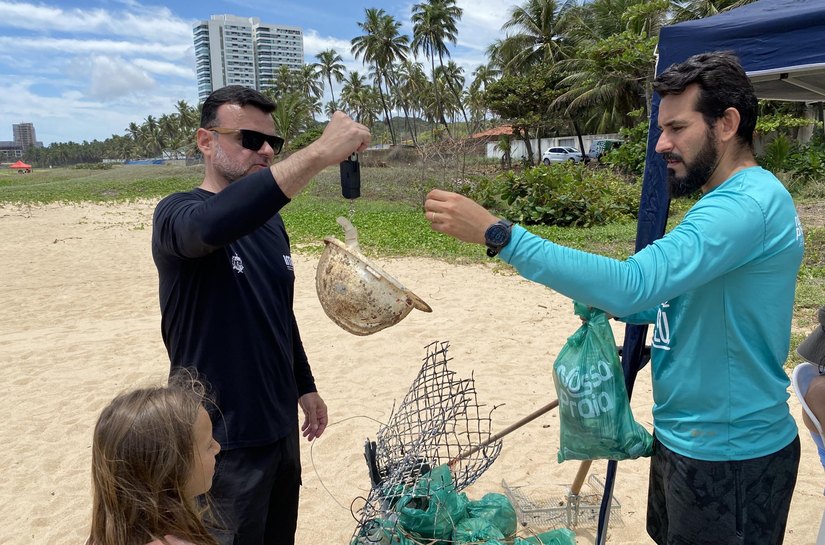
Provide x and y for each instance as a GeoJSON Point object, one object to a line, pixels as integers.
{"type": "Point", "coordinates": [24, 135]}
{"type": "Point", "coordinates": [24, 138]}
{"type": "Point", "coordinates": [232, 50]}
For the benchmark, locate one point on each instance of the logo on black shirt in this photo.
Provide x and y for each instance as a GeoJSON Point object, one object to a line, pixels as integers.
{"type": "Point", "coordinates": [237, 264]}
{"type": "Point", "coordinates": [288, 262]}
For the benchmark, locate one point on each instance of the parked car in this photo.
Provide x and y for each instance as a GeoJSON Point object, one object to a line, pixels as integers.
{"type": "Point", "coordinates": [561, 155]}
{"type": "Point", "coordinates": [600, 147]}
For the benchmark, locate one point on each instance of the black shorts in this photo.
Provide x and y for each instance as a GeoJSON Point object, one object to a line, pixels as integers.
{"type": "Point", "coordinates": [254, 495]}
{"type": "Point", "coordinates": [743, 502]}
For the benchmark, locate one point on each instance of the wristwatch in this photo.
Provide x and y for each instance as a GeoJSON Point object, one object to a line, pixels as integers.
{"type": "Point", "coordinates": [497, 236]}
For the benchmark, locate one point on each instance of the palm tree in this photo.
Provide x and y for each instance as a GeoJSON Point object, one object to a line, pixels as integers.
{"type": "Point", "coordinates": [308, 83]}
{"type": "Point", "coordinates": [151, 136]}
{"type": "Point", "coordinates": [283, 81]}
{"type": "Point", "coordinates": [188, 121]}
{"type": "Point", "coordinates": [483, 76]}
{"type": "Point", "coordinates": [169, 130]}
{"type": "Point", "coordinates": [539, 36]}
{"type": "Point", "coordinates": [292, 111]}
{"type": "Point", "coordinates": [363, 103]}
{"type": "Point", "coordinates": [453, 77]}
{"type": "Point", "coordinates": [187, 115]}
{"type": "Point", "coordinates": [610, 74]}
{"type": "Point", "coordinates": [351, 93]}
{"type": "Point", "coordinates": [330, 65]}
{"type": "Point", "coordinates": [135, 133]}
{"type": "Point", "coordinates": [330, 108]}
{"type": "Point", "coordinates": [412, 86]}
{"type": "Point", "coordinates": [434, 24]}
{"type": "Point", "coordinates": [686, 10]}
{"type": "Point", "coordinates": [381, 46]}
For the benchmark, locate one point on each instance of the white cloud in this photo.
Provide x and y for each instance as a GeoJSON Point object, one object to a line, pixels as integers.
{"type": "Point", "coordinates": [315, 43]}
{"type": "Point", "coordinates": [84, 74]}
{"type": "Point", "coordinates": [157, 24]}
{"type": "Point", "coordinates": [481, 22]}
{"type": "Point", "coordinates": [75, 116]}
{"type": "Point", "coordinates": [161, 68]}
{"type": "Point", "coordinates": [79, 47]}
{"type": "Point", "coordinates": [114, 77]}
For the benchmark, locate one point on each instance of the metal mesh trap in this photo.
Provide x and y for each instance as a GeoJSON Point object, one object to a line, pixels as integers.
{"type": "Point", "coordinates": [540, 513]}
{"type": "Point", "coordinates": [439, 422]}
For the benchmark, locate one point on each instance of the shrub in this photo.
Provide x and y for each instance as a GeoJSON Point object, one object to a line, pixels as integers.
{"type": "Point", "coordinates": [801, 168]}
{"type": "Point", "coordinates": [629, 158]}
{"type": "Point", "coordinates": [486, 191]}
{"type": "Point", "coordinates": [776, 154]}
{"type": "Point", "coordinates": [93, 166]}
{"type": "Point", "coordinates": [559, 194]}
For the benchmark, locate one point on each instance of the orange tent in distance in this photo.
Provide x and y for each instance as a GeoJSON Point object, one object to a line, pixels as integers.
{"type": "Point", "coordinates": [21, 167]}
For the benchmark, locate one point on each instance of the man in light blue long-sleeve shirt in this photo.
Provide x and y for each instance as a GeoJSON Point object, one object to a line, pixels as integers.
{"type": "Point", "coordinates": [719, 289]}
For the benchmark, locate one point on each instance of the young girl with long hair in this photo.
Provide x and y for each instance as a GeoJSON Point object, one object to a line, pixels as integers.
{"type": "Point", "coordinates": [153, 453]}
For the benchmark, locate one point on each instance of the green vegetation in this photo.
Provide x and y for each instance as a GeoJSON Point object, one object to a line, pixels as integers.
{"type": "Point", "coordinates": [389, 215]}
{"type": "Point", "coordinates": [122, 183]}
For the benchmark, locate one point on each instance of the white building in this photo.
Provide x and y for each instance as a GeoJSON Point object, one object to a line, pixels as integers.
{"type": "Point", "coordinates": [232, 50]}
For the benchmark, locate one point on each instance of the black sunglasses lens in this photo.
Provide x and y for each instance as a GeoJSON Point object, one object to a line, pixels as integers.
{"type": "Point", "coordinates": [253, 140]}
{"type": "Point", "coordinates": [277, 143]}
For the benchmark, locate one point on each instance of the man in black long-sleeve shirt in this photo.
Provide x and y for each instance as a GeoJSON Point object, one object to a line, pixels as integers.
{"type": "Point", "coordinates": [226, 291]}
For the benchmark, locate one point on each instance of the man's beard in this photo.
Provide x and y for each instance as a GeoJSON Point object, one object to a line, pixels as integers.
{"type": "Point", "coordinates": [697, 173]}
{"type": "Point", "coordinates": [229, 169]}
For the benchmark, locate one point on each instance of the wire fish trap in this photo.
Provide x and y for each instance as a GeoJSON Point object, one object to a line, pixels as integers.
{"type": "Point", "coordinates": [438, 423]}
{"type": "Point", "coordinates": [570, 511]}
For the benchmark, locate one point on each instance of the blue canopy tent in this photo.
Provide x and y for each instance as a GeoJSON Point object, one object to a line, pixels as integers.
{"type": "Point", "coordinates": [781, 44]}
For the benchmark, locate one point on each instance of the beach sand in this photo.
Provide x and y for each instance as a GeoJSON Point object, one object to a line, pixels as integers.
{"type": "Point", "coordinates": [80, 323]}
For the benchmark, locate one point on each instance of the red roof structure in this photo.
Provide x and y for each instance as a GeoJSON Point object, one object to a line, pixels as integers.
{"type": "Point", "coordinates": [20, 165]}
{"type": "Point", "coordinates": [501, 130]}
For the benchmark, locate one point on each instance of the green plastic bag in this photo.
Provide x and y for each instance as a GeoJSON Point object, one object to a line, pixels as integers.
{"type": "Point", "coordinates": [433, 507]}
{"type": "Point", "coordinates": [476, 530]}
{"type": "Point", "coordinates": [496, 508]}
{"type": "Point", "coordinates": [382, 532]}
{"type": "Point", "coordinates": [562, 536]}
{"type": "Point", "coordinates": [594, 410]}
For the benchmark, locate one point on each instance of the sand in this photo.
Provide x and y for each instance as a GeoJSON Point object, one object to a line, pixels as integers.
{"type": "Point", "coordinates": [80, 323]}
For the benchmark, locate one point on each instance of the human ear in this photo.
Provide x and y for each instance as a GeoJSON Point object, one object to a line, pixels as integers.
{"type": "Point", "coordinates": [728, 124]}
{"type": "Point", "coordinates": [204, 140]}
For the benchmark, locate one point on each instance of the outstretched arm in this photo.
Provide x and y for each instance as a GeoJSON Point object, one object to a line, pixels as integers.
{"type": "Point", "coordinates": [456, 215]}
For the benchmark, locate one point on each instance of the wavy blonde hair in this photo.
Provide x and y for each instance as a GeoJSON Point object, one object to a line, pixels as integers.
{"type": "Point", "coordinates": [142, 457]}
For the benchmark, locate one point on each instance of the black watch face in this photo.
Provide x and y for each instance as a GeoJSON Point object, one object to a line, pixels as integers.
{"type": "Point", "coordinates": [497, 234]}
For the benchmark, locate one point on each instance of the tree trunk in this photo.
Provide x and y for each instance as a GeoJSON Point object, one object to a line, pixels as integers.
{"type": "Point", "coordinates": [438, 106]}
{"type": "Point", "coordinates": [529, 146]}
{"type": "Point", "coordinates": [331, 92]}
{"type": "Point", "coordinates": [391, 80]}
{"type": "Point", "coordinates": [387, 116]}
{"type": "Point", "coordinates": [579, 135]}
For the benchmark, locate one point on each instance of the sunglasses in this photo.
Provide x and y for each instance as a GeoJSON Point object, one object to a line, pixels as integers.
{"type": "Point", "coordinates": [253, 140]}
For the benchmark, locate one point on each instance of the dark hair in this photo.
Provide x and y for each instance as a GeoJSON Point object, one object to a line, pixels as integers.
{"type": "Point", "coordinates": [722, 84]}
{"type": "Point", "coordinates": [233, 94]}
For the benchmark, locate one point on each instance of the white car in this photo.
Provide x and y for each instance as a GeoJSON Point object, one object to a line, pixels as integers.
{"type": "Point", "coordinates": [561, 154]}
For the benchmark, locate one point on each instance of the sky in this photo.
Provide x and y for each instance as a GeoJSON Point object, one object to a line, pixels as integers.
{"type": "Point", "coordinates": [83, 70]}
